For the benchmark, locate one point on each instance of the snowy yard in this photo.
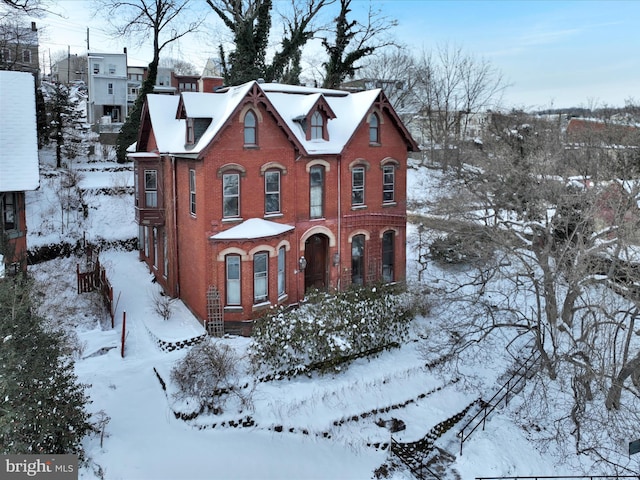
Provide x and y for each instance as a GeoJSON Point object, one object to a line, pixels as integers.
{"type": "Point", "coordinates": [304, 428]}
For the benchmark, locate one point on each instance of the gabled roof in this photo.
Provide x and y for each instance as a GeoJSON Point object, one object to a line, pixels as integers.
{"type": "Point", "coordinates": [18, 135]}
{"type": "Point", "coordinates": [287, 103]}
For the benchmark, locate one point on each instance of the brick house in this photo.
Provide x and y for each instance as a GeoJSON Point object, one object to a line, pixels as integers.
{"type": "Point", "coordinates": [19, 171]}
{"type": "Point", "coordinates": [247, 197]}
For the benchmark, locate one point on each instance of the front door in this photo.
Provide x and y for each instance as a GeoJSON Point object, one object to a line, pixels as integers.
{"type": "Point", "coordinates": [315, 252]}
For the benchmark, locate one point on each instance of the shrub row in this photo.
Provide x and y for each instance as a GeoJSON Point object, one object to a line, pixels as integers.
{"type": "Point", "coordinates": [326, 329]}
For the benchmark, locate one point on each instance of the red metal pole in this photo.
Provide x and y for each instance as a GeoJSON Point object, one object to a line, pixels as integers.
{"type": "Point", "coordinates": [124, 324]}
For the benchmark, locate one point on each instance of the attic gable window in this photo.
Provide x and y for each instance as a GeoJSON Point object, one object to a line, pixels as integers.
{"type": "Point", "coordinates": [374, 129]}
{"type": "Point", "coordinates": [250, 129]}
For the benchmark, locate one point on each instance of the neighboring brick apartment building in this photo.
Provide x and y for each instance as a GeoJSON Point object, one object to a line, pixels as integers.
{"type": "Point", "coordinates": [19, 48]}
{"type": "Point", "coordinates": [247, 197]}
{"type": "Point", "coordinates": [19, 169]}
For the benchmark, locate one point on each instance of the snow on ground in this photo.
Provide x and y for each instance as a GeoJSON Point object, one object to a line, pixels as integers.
{"type": "Point", "coordinates": [328, 422]}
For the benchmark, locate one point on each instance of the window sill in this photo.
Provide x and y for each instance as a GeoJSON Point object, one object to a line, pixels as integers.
{"type": "Point", "coordinates": [251, 147]}
{"type": "Point", "coordinates": [261, 306]}
{"type": "Point", "coordinates": [283, 298]}
{"type": "Point", "coordinates": [359, 207]}
{"type": "Point", "coordinates": [389, 204]}
{"type": "Point", "coordinates": [274, 215]}
{"type": "Point", "coordinates": [14, 233]}
{"type": "Point", "coordinates": [375, 144]}
{"type": "Point", "coordinates": [233, 309]}
{"type": "Point", "coordinates": [232, 220]}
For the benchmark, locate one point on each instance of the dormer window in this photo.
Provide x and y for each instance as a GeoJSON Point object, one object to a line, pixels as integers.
{"type": "Point", "coordinates": [191, 138]}
{"type": "Point", "coordinates": [250, 129]}
{"type": "Point", "coordinates": [317, 126]}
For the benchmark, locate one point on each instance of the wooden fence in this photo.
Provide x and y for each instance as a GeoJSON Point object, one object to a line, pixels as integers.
{"type": "Point", "coordinates": [96, 279]}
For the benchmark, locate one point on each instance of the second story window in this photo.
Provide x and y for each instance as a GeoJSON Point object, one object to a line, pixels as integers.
{"type": "Point", "coordinates": [317, 126]}
{"type": "Point", "coordinates": [96, 69]}
{"type": "Point", "coordinates": [192, 191]}
{"type": "Point", "coordinates": [5, 55]}
{"type": "Point", "coordinates": [110, 88]}
{"type": "Point", "coordinates": [151, 188]}
{"type": "Point", "coordinates": [357, 186]}
{"type": "Point", "coordinates": [231, 195]}
{"type": "Point", "coordinates": [26, 56]}
{"type": "Point", "coordinates": [388, 183]}
{"type": "Point", "coordinates": [112, 69]}
{"type": "Point", "coordinates": [374, 129]}
{"type": "Point", "coordinates": [316, 191]}
{"type": "Point", "coordinates": [272, 192]}
{"type": "Point", "coordinates": [250, 128]}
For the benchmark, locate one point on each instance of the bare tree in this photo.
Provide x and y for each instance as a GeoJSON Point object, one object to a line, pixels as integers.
{"type": "Point", "coordinates": [34, 8]}
{"type": "Point", "coordinates": [250, 22]}
{"type": "Point", "coordinates": [179, 67]}
{"type": "Point", "coordinates": [17, 38]}
{"type": "Point", "coordinates": [451, 88]}
{"type": "Point", "coordinates": [168, 21]}
{"type": "Point", "coordinates": [392, 70]}
{"type": "Point", "coordinates": [560, 280]}
{"type": "Point", "coordinates": [353, 41]}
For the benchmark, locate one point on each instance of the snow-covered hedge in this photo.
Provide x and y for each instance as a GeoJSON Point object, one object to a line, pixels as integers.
{"type": "Point", "coordinates": [329, 328]}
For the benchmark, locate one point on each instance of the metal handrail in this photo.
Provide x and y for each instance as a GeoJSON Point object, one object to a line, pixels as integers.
{"type": "Point", "coordinates": [556, 477]}
{"type": "Point", "coordinates": [493, 403]}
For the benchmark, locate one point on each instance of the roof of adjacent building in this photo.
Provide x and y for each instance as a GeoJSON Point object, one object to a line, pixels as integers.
{"type": "Point", "coordinates": [18, 132]}
{"type": "Point", "coordinates": [291, 103]}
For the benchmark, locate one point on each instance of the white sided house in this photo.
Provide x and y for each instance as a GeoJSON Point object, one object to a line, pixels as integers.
{"type": "Point", "coordinates": [19, 171]}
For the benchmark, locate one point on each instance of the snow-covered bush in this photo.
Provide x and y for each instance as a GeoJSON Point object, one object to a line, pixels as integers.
{"type": "Point", "coordinates": [330, 328]}
{"type": "Point", "coordinates": [209, 375]}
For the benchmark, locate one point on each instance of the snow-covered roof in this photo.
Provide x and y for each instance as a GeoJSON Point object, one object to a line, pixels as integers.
{"type": "Point", "coordinates": [289, 101]}
{"type": "Point", "coordinates": [253, 228]}
{"type": "Point", "coordinates": [18, 135]}
{"type": "Point", "coordinates": [169, 131]}
{"type": "Point", "coordinates": [350, 110]}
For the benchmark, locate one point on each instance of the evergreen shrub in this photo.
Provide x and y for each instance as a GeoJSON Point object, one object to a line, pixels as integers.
{"type": "Point", "coordinates": [329, 328]}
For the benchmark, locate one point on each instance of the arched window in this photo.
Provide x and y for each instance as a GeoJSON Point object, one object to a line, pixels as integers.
{"type": "Point", "coordinates": [374, 128]}
{"type": "Point", "coordinates": [388, 255]}
{"type": "Point", "coordinates": [231, 195]}
{"type": "Point", "coordinates": [250, 128]}
{"type": "Point", "coordinates": [316, 191]}
{"type": "Point", "coordinates": [388, 183]}
{"type": "Point", "coordinates": [357, 260]}
{"type": "Point", "coordinates": [281, 271]}
{"type": "Point", "coordinates": [317, 126]}
{"type": "Point", "coordinates": [260, 277]}
{"type": "Point", "coordinates": [357, 186]}
{"type": "Point", "coordinates": [271, 192]}
{"type": "Point", "coordinates": [233, 279]}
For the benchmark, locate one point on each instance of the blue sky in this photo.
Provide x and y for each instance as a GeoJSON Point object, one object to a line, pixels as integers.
{"type": "Point", "coordinates": [552, 53]}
